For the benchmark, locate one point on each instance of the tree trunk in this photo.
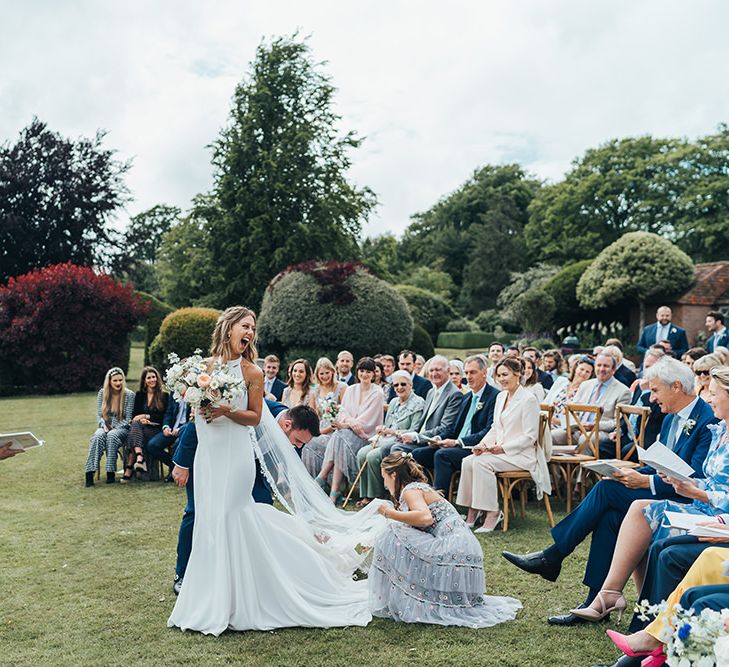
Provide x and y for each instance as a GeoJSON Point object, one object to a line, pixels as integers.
{"type": "Point", "coordinates": [641, 314]}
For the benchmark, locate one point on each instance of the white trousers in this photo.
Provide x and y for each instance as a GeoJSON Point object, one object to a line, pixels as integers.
{"type": "Point", "coordinates": [478, 487]}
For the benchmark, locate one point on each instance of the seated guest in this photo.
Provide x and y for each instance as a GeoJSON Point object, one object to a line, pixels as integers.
{"type": "Point", "coordinates": [344, 364]}
{"type": "Point", "coordinates": [641, 397]}
{"type": "Point", "coordinates": [622, 372]}
{"type": "Point", "coordinates": [440, 411]}
{"type": "Point", "coordinates": [474, 420]}
{"type": "Point", "coordinates": [419, 364]}
{"type": "Point", "coordinates": [646, 519]}
{"type": "Point", "coordinates": [553, 364]}
{"type": "Point", "coordinates": [705, 586]}
{"type": "Point", "coordinates": [114, 410]}
{"type": "Point", "coordinates": [702, 370]}
{"type": "Point", "coordinates": [545, 379]}
{"type": "Point", "coordinates": [619, 344]}
{"type": "Point", "coordinates": [564, 389]}
{"type": "Point", "coordinates": [403, 413]}
{"type": "Point", "coordinates": [455, 372]}
{"type": "Point", "coordinates": [388, 363]}
{"type": "Point", "coordinates": [150, 404]}
{"type": "Point", "coordinates": [495, 355]}
{"type": "Point", "coordinates": [510, 444]}
{"type": "Point", "coordinates": [663, 330]}
{"type": "Point", "coordinates": [530, 379]}
{"type": "Point", "coordinates": [298, 390]}
{"type": "Point", "coordinates": [360, 414]}
{"type": "Point", "coordinates": [444, 561]}
{"type": "Point", "coordinates": [176, 416]}
{"type": "Point", "coordinates": [325, 401]}
{"type": "Point", "coordinates": [512, 352]}
{"type": "Point", "coordinates": [406, 362]}
{"type": "Point", "coordinates": [380, 380]}
{"type": "Point", "coordinates": [718, 334]}
{"type": "Point", "coordinates": [692, 355]}
{"type": "Point", "coordinates": [604, 391]}
{"type": "Point", "coordinates": [273, 388]}
{"type": "Point", "coordinates": [602, 511]}
{"type": "Point", "coordinates": [723, 354]}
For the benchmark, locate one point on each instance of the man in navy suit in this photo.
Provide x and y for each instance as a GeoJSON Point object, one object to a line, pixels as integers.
{"type": "Point", "coordinates": [663, 329]}
{"type": "Point", "coordinates": [344, 364]}
{"type": "Point", "coordinates": [684, 430]}
{"type": "Point", "coordinates": [474, 421]}
{"type": "Point", "coordinates": [300, 424]}
{"type": "Point", "coordinates": [272, 386]}
{"type": "Point", "coordinates": [421, 386]}
{"type": "Point", "coordinates": [718, 334]}
{"type": "Point", "coordinates": [175, 419]}
{"type": "Point", "coordinates": [545, 379]}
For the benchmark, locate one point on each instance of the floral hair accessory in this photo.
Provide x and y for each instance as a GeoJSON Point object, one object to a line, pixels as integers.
{"type": "Point", "coordinates": [406, 455]}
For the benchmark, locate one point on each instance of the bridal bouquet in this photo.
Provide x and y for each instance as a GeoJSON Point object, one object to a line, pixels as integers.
{"type": "Point", "coordinates": [691, 640]}
{"type": "Point", "coordinates": [329, 408]}
{"type": "Point", "coordinates": [189, 380]}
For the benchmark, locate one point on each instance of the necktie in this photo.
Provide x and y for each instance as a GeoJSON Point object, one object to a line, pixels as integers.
{"type": "Point", "coordinates": [594, 400]}
{"type": "Point", "coordinates": [466, 430]}
{"type": "Point", "coordinates": [672, 432]}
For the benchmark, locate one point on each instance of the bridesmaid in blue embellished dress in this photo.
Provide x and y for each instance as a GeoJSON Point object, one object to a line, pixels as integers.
{"type": "Point", "coordinates": [427, 566]}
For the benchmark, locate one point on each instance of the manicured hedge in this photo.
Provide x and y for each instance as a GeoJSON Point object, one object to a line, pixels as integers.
{"type": "Point", "coordinates": [181, 332]}
{"type": "Point", "coordinates": [157, 312]}
{"type": "Point", "coordinates": [428, 310]}
{"type": "Point", "coordinates": [333, 306]}
{"type": "Point", "coordinates": [62, 327]}
{"type": "Point", "coordinates": [472, 340]}
{"type": "Point", "coordinates": [422, 343]}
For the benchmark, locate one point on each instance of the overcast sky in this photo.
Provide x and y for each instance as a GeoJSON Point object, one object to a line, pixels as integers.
{"type": "Point", "coordinates": [437, 88]}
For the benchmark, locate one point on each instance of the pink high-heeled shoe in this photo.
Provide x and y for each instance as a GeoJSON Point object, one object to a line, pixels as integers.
{"type": "Point", "coordinates": [621, 641]}
{"type": "Point", "coordinates": [654, 661]}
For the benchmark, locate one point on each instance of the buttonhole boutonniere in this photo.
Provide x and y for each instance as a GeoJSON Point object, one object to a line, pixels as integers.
{"type": "Point", "coordinates": [673, 329]}
{"type": "Point", "coordinates": [479, 405]}
{"type": "Point", "coordinates": [688, 426]}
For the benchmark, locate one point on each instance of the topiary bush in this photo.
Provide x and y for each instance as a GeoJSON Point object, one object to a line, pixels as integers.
{"type": "Point", "coordinates": [534, 310]}
{"type": "Point", "coordinates": [62, 327]}
{"type": "Point", "coordinates": [311, 354]}
{"type": "Point", "coordinates": [461, 324]}
{"type": "Point", "coordinates": [157, 312]}
{"type": "Point", "coordinates": [563, 289]}
{"type": "Point", "coordinates": [182, 331]}
{"type": "Point", "coordinates": [428, 310]}
{"type": "Point", "coordinates": [333, 306]}
{"type": "Point", "coordinates": [421, 342]}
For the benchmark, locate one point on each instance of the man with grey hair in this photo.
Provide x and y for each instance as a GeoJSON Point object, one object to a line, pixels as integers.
{"type": "Point", "coordinates": [685, 431]}
{"type": "Point", "coordinates": [603, 390]}
{"type": "Point", "coordinates": [440, 411]}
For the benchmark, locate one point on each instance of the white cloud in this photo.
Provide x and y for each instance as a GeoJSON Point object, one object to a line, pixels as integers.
{"type": "Point", "coordinates": [437, 88]}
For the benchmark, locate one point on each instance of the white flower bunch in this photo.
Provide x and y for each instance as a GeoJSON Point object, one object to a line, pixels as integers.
{"type": "Point", "coordinates": [189, 380]}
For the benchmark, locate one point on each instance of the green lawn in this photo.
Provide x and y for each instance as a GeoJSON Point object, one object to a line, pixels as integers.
{"type": "Point", "coordinates": [86, 576]}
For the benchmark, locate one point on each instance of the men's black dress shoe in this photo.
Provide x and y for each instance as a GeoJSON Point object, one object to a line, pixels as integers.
{"type": "Point", "coordinates": [624, 661]}
{"type": "Point", "coordinates": [566, 619]}
{"type": "Point", "coordinates": [177, 585]}
{"type": "Point", "coordinates": [534, 563]}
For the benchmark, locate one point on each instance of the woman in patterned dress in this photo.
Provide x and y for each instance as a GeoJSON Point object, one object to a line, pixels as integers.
{"type": "Point", "coordinates": [427, 565]}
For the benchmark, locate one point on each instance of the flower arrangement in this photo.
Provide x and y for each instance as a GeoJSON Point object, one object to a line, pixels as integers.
{"type": "Point", "coordinates": [189, 380]}
{"type": "Point", "coordinates": [692, 640]}
{"type": "Point", "coordinates": [329, 408]}
{"type": "Point", "coordinates": [688, 426]}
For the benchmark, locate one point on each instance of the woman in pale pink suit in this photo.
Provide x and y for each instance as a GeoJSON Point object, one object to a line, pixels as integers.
{"type": "Point", "coordinates": [361, 412]}
{"type": "Point", "coordinates": [510, 444]}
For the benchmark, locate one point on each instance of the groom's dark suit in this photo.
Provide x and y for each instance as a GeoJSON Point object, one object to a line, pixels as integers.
{"type": "Point", "coordinates": [604, 508]}
{"type": "Point", "coordinates": [184, 457]}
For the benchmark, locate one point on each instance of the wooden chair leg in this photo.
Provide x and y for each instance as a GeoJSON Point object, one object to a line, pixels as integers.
{"type": "Point", "coordinates": [522, 499]}
{"type": "Point", "coordinates": [506, 493]}
{"type": "Point", "coordinates": [549, 510]}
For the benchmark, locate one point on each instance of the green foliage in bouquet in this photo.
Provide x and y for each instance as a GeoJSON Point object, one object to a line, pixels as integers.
{"type": "Point", "coordinates": [182, 332]}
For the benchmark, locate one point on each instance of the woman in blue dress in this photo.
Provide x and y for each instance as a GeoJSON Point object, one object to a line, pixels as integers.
{"type": "Point", "coordinates": [646, 519]}
{"type": "Point", "coordinates": [427, 565]}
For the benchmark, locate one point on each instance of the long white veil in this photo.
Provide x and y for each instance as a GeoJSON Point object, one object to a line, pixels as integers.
{"type": "Point", "coordinates": [303, 498]}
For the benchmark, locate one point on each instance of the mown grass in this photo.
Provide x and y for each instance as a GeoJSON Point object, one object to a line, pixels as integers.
{"type": "Point", "coordinates": [85, 577]}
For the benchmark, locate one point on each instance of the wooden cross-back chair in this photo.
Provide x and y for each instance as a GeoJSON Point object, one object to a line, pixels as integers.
{"type": "Point", "coordinates": [623, 412]}
{"type": "Point", "coordinates": [509, 480]}
{"type": "Point", "coordinates": [568, 465]}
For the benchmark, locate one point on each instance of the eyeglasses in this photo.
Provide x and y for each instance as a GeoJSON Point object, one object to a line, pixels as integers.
{"type": "Point", "coordinates": [702, 372]}
{"type": "Point", "coordinates": [399, 384]}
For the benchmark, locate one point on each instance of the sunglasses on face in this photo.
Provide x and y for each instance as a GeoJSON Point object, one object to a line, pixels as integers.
{"type": "Point", "coordinates": [703, 372]}
{"type": "Point", "coordinates": [399, 384]}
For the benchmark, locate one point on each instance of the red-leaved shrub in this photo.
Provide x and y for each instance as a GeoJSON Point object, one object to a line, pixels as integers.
{"type": "Point", "coordinates": [62, 327]}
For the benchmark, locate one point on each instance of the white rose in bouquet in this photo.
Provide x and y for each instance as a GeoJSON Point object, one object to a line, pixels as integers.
{"type": "Point", "coordinates": [721, 651]}
{"type": "Point", "coordinates": [193, 395]}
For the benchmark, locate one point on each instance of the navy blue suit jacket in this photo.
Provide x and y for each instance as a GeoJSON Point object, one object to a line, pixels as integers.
{"type": "Point", "coordinates": [277, 389]}
{"type": "Point", "coordinates": [421, 387]}
{"type": "Point", "coordinates": [481, 420]}
{"type": "Point", "coordinates": [545, 379]}
{"type": "Point", "coordinates": [676, 335]}
{"type": "Point", "coordinates": [723, 341]}
{"type": "Point", "coordinates": [692, 447]}
{"type": "Point", "coordinates": [625, 375]}
{"type": "Point", "coordinates": [171, 412]}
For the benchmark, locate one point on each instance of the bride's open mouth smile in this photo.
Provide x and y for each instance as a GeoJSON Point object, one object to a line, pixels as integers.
{"type": "Point", "coordinates": [244, 343]}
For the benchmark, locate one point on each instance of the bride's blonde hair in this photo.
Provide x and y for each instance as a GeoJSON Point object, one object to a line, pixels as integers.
{"type": "Point", "coordinates": [223, 328]}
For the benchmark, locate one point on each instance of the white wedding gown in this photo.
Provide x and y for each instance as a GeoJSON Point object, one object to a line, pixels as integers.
{"type": "Point", "coordinates": [253, 567]}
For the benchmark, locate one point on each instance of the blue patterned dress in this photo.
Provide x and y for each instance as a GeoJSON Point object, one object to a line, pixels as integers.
{"type": "Point", "coordinates": [715, 483]}
{"type": "Point", "coordinates": [434, 574]}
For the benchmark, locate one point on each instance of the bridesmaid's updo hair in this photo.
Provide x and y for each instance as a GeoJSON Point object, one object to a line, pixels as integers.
{"type": "Point", "coordinates": [223, 328]}
{"type": "Point", "coordinates": [516, 366]}
{"type": "Point", "coordinates": [721, 375]}
{"type": "Point", "coordinates": [406, 469]}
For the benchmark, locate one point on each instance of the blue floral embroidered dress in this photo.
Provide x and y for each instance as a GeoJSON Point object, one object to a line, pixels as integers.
{"type": "Point", "coordinates": [715, 483]}
{"type": "Point", "coordinates": [434, 574]}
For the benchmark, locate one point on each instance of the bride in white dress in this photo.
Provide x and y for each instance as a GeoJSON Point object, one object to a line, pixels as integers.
{"type": "Point", "coordinates": [253, 567]}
